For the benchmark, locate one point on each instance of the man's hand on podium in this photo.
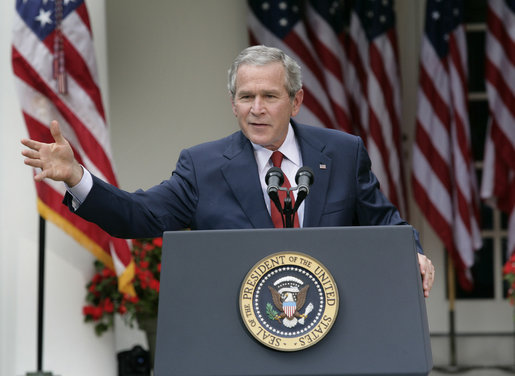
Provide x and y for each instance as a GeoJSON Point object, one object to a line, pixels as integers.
{"type": "Point", "coordinates": [427, 270]}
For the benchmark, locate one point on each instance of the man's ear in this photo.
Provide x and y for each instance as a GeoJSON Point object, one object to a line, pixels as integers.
{"type": "Point", "coordinates": [297, 102]}
{"type": "Point", "coordinates": [232, 104]}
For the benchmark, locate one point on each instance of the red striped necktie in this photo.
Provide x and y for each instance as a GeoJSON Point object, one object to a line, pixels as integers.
{"type": "Point", "coordinates": [277, 159]}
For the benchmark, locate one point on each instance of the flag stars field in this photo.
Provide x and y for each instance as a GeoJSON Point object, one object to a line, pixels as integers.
{"type": "Point", "coordinates": [44, 17]}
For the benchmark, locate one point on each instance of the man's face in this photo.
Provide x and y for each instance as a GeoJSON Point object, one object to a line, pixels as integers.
{"type": "Point", "coordinates": [262, 105]}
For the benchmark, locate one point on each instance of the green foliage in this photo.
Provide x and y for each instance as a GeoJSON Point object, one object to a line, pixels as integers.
{"type": "Point", "coordinates": [271, 312]}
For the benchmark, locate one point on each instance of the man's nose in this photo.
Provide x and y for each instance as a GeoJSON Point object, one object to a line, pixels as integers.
{"type": "Point", "coordinates": [258, 105]}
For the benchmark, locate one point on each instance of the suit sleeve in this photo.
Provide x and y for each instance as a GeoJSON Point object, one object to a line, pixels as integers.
{"type": "Point", "coordinates": [164, 207]}
{"type": "Point", "coordinates": [373, 206]}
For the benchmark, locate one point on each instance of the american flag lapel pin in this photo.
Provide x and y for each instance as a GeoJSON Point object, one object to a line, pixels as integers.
{"type": "Point", "coordinates": [323, 166]}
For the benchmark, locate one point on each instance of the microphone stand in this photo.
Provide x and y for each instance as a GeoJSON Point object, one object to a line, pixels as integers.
{"type": "Point", "coordinates": [288, 210]}
{"type": "Point", "coordinates": [274, 179]}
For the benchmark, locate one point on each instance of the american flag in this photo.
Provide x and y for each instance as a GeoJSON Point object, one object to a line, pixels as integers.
{"type": "Point", "coordinates": [56, 77]}
{"type": "Point", "coordinates": [351, 82]}
{"type": "Point", "coordinates": [498, 184]}
{"type": "Point", "coordinates": [443, 176]}
{"type": "Point", "coordinates": [373, 79]}
{"type": "Point", "coordinates": [316, 45]}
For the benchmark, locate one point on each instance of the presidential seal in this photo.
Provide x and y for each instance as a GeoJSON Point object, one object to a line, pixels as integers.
{"type": "Point", "coordinates": [289, 301]}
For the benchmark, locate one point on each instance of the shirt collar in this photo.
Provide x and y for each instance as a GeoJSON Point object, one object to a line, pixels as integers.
{"type": "Point", "coordinates": [289, 148]}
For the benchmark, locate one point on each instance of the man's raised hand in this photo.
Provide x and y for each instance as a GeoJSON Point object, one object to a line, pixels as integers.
{"type": "Point", "coordinates": [56, 160]}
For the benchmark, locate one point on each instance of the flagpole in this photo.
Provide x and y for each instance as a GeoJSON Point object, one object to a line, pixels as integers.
{"type": "Point", "coordinates": [451, 291]}
{"type": "Point", "coordinates": [451, 295]}
{"type": "Point", "coordinates": [41, 300]}
{"type": "Point", "coordinates": [41, 289]}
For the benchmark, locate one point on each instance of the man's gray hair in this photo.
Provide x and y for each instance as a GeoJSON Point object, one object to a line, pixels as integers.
{"type": "Point", "coordinates": [263, 55]}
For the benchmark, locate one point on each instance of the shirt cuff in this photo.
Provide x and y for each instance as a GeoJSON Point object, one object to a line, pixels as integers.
{"type": "Point", "coordinates": [81, 190]}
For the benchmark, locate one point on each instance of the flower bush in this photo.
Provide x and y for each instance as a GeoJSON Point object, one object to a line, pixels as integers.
{"type": "Point", "coordinates": [509, 276]}
{"type": "Point", "coordinates": [104, 300]}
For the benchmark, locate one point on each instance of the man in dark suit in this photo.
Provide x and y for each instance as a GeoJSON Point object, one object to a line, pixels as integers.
{"type": "Point", "coordinates": [220, 184]}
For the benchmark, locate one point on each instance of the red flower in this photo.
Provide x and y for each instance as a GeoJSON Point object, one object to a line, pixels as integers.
{"type": "Point", "coordinates": [86, 310]}
{"type": "Point", "coordinates": [94, 312]}
{"type": "Point", "coordinates": [159, 267]}
{"type": "Point", "coordinates": [122, 309]}
{"type": "Point", "coordinates": [96, 278]}
{"type": "Point", "coordinates": [509, 267]}
{"type": "Point", "coordinates": [144, 264]}
{"type": "Point", "coordinates": [108, 305]}
{"type": "Point", "coordinates": [130, 299]}
{"type": "Point", "coordinates": [158, 242]}
{"type": "Point", "coordinates": [149, 247]}
{"type": "Point", "coordinates": [107, 273]}
{"type": "Point", "coordinates": [154, 285]}
{"type": "Point", "coordinates": [97, 313]}
{"type": "Point", "coordinates": [144, 284]}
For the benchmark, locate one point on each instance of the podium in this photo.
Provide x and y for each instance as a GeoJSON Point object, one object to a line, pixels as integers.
{"type": "Point", "coordinates": [380, 329]}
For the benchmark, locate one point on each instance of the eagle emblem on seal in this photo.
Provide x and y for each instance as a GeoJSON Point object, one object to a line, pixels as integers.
{"type": "Point", "coordinates": [289, 296]}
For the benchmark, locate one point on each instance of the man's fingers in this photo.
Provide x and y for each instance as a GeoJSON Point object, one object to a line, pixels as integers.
{"type": "Point", "coordinates": [36, 163]}
{"type": "Point", "coordinates": [428, 282]}
{"type": "Point", "coordinates": [40, 176]}
{"type": "Point", "coordinates": [32, 154]}
{"type": "Point", "coordinates": [31, 144]}
{"type": "Point", "coordinates": [56, 132]}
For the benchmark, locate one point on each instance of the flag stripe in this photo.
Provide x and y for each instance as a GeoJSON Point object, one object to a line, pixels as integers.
{"type": "Point", "coordinates": [316, 108]}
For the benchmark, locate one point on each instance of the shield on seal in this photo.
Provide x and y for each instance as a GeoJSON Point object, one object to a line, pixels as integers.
{"type": "Point", "coordinates": [289, 308]}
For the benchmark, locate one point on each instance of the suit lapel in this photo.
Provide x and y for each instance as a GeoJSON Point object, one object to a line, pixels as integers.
{"type": "Point", "coordinates": [242, 176]}
{"type": "Point", "coordinates": [313, 156]}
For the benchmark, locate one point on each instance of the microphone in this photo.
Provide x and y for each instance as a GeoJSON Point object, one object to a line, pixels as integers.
{"type": "Point", "coordinates": [274, 178]}
{"type": "Point", "coordinates": [304, 179]}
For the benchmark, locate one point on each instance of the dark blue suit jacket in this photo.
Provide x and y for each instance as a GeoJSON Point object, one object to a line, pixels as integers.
{"type": "Point", "coordinates": [216, 186]}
